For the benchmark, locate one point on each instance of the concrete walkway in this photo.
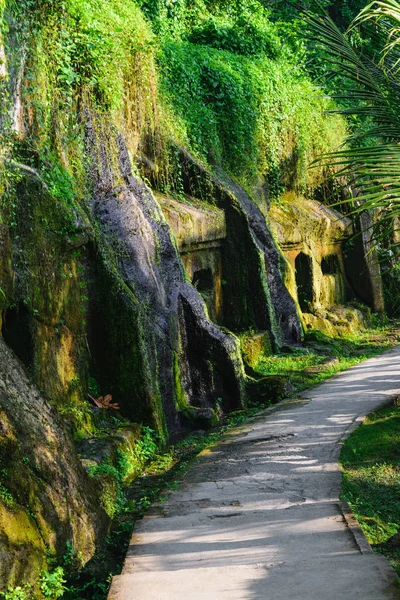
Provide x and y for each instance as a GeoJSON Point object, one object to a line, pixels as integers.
{"type": "Point", "coordinates": [258, 516]}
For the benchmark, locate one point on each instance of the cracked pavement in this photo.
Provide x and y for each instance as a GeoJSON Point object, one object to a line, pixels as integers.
{"type": "Point", "coordinates": [259, 517]}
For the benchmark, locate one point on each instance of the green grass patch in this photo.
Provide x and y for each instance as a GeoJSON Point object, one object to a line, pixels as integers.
{"type": "Point", "coordinates": [318, 348]}
{"type": "Point", "coordinates": [295, 368]}
{"type": "Point", "coordinates": [371, 479]}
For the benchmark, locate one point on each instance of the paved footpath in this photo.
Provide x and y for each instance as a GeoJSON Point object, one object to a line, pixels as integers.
{"type": "Point", "coordinates": [258, 516]}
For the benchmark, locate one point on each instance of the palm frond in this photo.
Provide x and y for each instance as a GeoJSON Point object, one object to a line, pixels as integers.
{"type": "Point", "coordinates": [387, 15]}
{"type": "Point", "coordinates": [372, 93]}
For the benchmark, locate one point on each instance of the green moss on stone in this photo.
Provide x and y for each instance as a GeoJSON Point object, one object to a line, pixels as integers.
{"type": "Point", "coordinates": [255, 346]}
{"type": "Point", "coordinates": [181, 401]}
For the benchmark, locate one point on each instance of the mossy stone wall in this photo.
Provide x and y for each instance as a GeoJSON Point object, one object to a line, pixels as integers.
{"type": "Point", "coordinates": [42, 483]}
{"type": "Point", "coordinates": [306, 228]}
{"type": "Point", "coordinates": [200, 232]}
{"type": "Point", "coordinates": [320, 236]}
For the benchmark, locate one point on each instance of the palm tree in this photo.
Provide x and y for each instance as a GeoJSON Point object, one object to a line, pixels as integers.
{"type": "Point", "coordinates": [371, 158]}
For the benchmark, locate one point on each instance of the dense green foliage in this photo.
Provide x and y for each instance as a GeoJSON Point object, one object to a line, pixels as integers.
{"type": "Point", "coordinates": [241, 95]}
{"type": "Point", "coordinates": [83, 55]}
{"type": "Point", "coordinates": [81, 44]}
{"type": "Point", "coordinates": [341, 11]}
{"type": "Point", "coordinates": [214, 77]}
{"type": "Point", "coordinates": [371, 96]}
{"type": "Point", "coordinates": [253, 116]}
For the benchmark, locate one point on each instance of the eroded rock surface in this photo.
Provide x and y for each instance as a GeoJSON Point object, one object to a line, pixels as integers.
{"type": "Point", "coordinates": [324, 270]}
{"type": "Point", "coordinates": [46, 498]}
{"type": "Point", "coordinates": [195, 361]}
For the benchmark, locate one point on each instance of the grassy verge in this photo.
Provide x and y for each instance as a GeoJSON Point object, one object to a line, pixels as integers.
{"type": "Point", "coordinates": [321, 356]}
{"type": "Point", "coordinates": [305, 367]}
{"type": "Point", "coordinates": [371, 480]}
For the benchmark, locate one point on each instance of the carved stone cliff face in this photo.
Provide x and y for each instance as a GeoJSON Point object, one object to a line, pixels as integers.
{"type": "Point", "coordinates": [168, 312]}
{"type": "Point", "coordinates": [323, 268]}
{"type": "Point", "coordinates": [254, 296]}
{"type": "Point", "coordinates": [200, 233]}
{"type": "Point", "coordinates": [363, 267]}
{"type": "Point", "coordinates": [312, 238]}
{"type": "Point", "coordinates": [46, 498]}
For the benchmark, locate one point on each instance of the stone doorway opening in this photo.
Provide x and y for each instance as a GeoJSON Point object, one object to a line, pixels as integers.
{"type": "Point", "coordinates": [330, 265]}
{"type": "Point", "coordinates": [304, 281]}
{"type": "Point", "coordinates": [17, 332]}
{"type": "Point", "coordinates": [203, 281]}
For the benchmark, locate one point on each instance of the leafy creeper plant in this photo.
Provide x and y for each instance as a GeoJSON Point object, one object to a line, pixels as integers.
{"type": "Point", "coordinates": [16, 593]}
{"type": "Point", "coordinates": [52, 583]}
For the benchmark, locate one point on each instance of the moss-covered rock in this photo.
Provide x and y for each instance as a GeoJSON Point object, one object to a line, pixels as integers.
{"type": "Point", "coordinates": [254, 346]}
{"type": "Point", "coordinates": [22, 547]}
{"type": "Point", "coordinates": [314, 239]}
{"type": "Point", "coordinates": [43, 316]}
{"type": "Point", "coordinates": [337, 321]}
{"type": "Point", "coordinates": [269, 389]}
{"type": "Point", "coordinates": [194, 223]}
{"type": "Point", "coordinates": [46, 499]}
{"type": "Point", "coordinates": [200, 418]}
{"type": "Point", "coordinates": [161, 315]}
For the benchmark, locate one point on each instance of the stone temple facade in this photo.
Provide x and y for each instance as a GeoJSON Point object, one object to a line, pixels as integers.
{"type": "Point", "coordinates": [330, 272]}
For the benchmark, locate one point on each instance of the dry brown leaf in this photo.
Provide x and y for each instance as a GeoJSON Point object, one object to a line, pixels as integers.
{"type": "Point", "coordinates": [105, 402]}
